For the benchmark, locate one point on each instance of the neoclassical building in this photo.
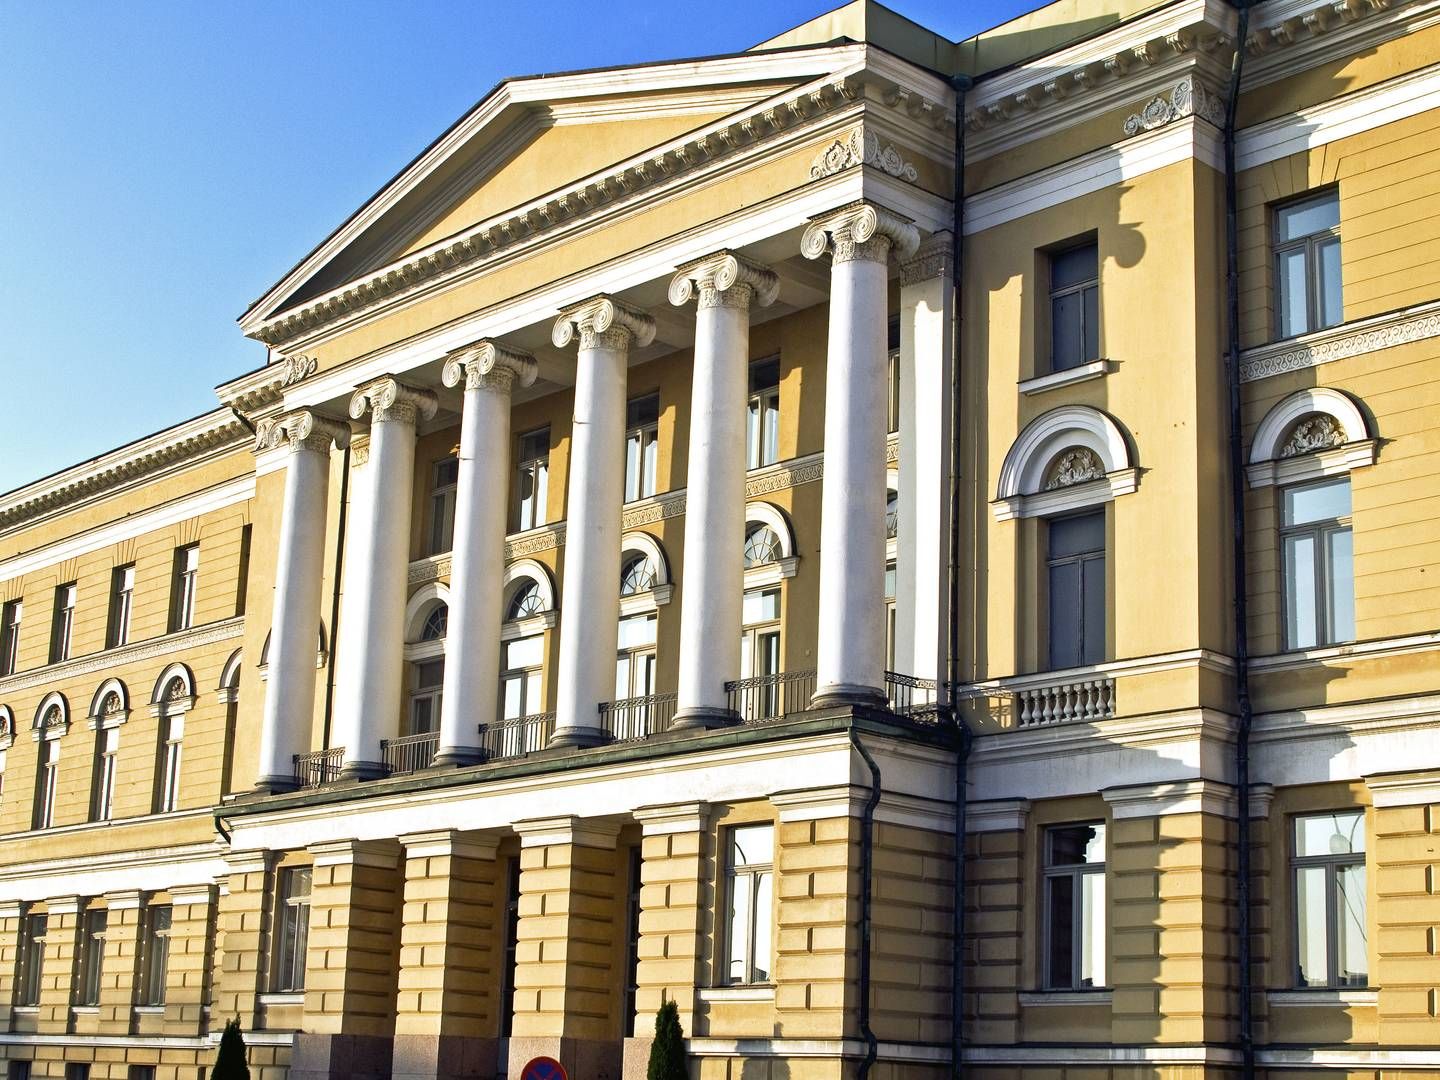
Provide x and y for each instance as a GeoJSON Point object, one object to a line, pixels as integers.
{"type": "Point", "coordinates": [691, 503]}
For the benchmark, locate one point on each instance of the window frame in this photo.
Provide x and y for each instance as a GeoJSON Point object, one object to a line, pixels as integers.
{"type": "Point", "coordinates": [444, 494]}
{"type": "Point", "coordinates": [753, 872]}
{"type": "Point", "coordinates": [645, 435]}
{"type": "Point", "coordinates": [1079, 559]}
{"type": "Point", "coordinates": [762, 416]}
{"type": "Point", "coordinates": [47, 784]}
{"type": "Point", "coordinates": [62, 630]}
{"type": "Point", "coordinates": [537, 466]}
{"type": "Point", "coordinates": [1080, 289]}
{"type": "Point", "coordinates": [1310, 243]}
{"type": "Point", "coordinates": [11, 613]}
{"type": "Point", "coordinates": [512, 946]}
{"type": "Point", "coordinates": [150, 988]}
{"type": "Point", "coordinates": [107, 751]}
{"type": "Point", "coordinates": [1332, 865]}
{"type": "Point", "coordinates": [91, 960]}
{"type": "Point", "coordinates": [1077, 872]}
{"type": "Point", "coordinates": [292, 929]}
{"type": "Point", "coordinates": [122, 606]}
{"type": "Point", "coordinates": [184, 587]}
{"type": "Point", "coordinates": [1321, 531]}
{"type": "Point", "coordinates": [30, 959]}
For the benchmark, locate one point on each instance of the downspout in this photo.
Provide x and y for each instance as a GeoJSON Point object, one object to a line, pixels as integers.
{"type": "Point", "coordinates": [867, 851]}
{"type": "Point", "coordinates": [335, 594]}
{"type": "Point", "coordinates": [960, 84]}
{"type": "Point", "coordinates": [1237, 542]}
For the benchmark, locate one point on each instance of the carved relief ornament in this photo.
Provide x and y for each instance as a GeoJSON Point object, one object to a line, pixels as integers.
{"type": "Point", "coordinates": [488, 365]}
{"type": "Point", "coordinates": [388, 400]}
{"type": "Point", "coordinates": [1077, 465]}
{"type": "Point", "coordinates": [861, 230]}
{"type": "Point", "coordinates": [724, 280]}
{"type": "Point", "coordinates": [861, 148]}
{"type": "Point", "coordinates": [1188, 97]}
{"type": "Point", "coordinates": [1318, 431]}
{"type": "Point", "coordinates": [603, 323]}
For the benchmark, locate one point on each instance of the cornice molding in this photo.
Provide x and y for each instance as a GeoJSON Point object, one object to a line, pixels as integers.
{"type": "Point", "coordinates": [1357, 338]}
{"type": "Point", "coordinates": [188, 443]}
{"type": "Point", "coordinates": [262, 392]}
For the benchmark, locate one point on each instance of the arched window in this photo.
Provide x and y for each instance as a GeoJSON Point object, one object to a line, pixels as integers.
{"type": "Point", "coordinates": [1069, 458]}
{"type": "Point", "coordinates": [637, 575]}
{"type": "Point", "coordinates": [427, 618]}
{"type": "Point", "coordinates": [644, 587]}
{"type": "Point", "coordinates": [525, 602]}
{"type": "Point", "coordinates": [435, 623]}
{"type": "Point", "coordinates": [109, 709]}
{"type": "Point", "coordinates": [762, 545]}
{"type": "Point", "coordinates": [769, 552]}
{"type": "Point", "coordinates": [52, 721]}
{"type": "Point", "coordinates": [529, 598]}
{"type": "Point", "coordinates": [1307, 445]}
{"type": "Point", "coordinates": [321, 653]}
{"type": "Point", "coordinates": [174, 696]}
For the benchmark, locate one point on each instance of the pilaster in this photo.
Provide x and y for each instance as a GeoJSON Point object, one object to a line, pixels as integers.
{"type": "Point", "coordinates": [122, 960]}
{"type": "Point", "coordinates": [58, 972]}
{"type": "Point", "coordinates": [243, 917]}
{"type": "Point", "coordinates": [10, 916]}
{"type": "Point", "coordinates": [192, 935]}
{"type": "Point", "coordinates": [995, 924]}
{"type": "Point", "coordinates": [567, 990]}
{"type": "Point", "coordinates": [447, 1006]}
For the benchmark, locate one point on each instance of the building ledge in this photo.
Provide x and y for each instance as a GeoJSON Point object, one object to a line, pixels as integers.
{"type": "Point", "coordinates": [1322, 998]}
{"type": "Point", "coordinates": [1095, 369]}
{"type": "Point", "coordinates": [1065, 997]}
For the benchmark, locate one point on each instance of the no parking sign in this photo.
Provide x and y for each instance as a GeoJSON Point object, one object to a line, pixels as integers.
{"type": "Point", "coordinates": [543, 1068]}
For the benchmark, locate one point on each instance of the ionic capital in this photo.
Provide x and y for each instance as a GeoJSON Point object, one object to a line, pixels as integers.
{"type": "Point", "coordinates": [724, 280]}
{"type": "Point", "coordinates": [932, 259]}
{"type": "Point", "coordinates": [303, 430]}
{"type": "Point", "coordinates": [861, 230]}
{"type": "Point", "coordinates": [603, 323]}
{"type": "Point", "coordinates": [487, 365]}
{"type": "Point", "coordinates": [388, 400]}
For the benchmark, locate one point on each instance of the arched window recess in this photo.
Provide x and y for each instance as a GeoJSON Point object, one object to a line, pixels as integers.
{"type": "Point", "coordinates": [110, 707]}
{"type": "Point", "coordinates": [769, 546]}
{"type": "Point", "coordinates": [1068, 459]}
{"type": "Point", "coordinates": [528, 600]}
{"type": "Point", "coordinates": [227, 689]}
{"type": "Point", "coordinates": [7, 727]}
{"type": "Point", "coordinates": [1308, 435]}
{"type": "Point", "coordinates": [645, 583]}
{"type": "Point", "coordinates": [427, 619]}
{"type": "Point", "coordinates": [322, 653]}
{"type": "Point", "coordinates": [174, 692]}
{"type": "Point", "coordinates": [52, 717]}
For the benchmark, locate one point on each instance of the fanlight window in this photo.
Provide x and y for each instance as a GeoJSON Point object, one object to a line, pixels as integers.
{"type": "Point", "coordinates": [436, 623]}
{"type": "Point", "coordinates": [527, 601]}
{"type": "Point", "coordinates": [637, 575]}
{"type": "Point", "coordinates": [892, 515]}
{"type": "Point", "coordinates": [762, 546]}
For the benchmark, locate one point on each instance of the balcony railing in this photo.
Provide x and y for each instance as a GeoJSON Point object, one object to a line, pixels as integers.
{"type": "Point", "coordinates": [632, 719]}
{"type": "Point", "coordinates": [771, 697]}
{"type": "Point", "coordinates": [518, 736]}
{"type": "Point", "coordinates": [410, 753]}
{"type": "Point", "coordinates": [319, 767]}
{"type": "Point", "coordinates": [1060, 703]}
{"type": "Point", "coordinates": [911, 697]}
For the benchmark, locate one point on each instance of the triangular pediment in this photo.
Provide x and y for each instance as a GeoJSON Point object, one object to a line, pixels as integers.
{"type": "Point", "coordinates": [527, 138]}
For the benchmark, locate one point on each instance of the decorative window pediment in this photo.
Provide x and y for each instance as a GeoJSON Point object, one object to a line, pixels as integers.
{"type": "Point", "coordinates": [1067, 459]}
{"type": "Point", "coordinates": [1308, 435]}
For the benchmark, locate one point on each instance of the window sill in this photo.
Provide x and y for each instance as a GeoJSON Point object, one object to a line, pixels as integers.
{"type": "Point", "coordinates": [1065, 997]}
{"type": "Point", "coordinates": [295, 997]}
{"type": "Point", "coordinates": [149, 1010]}
{"type": "Point", "coordinates": [26, 1010]}
{"type": "Point", "coordinates": [1083, 373]}
{"type": "Point", "coordinates": [714, 995]}
{"type": "Point", "coordinates": [85, 1010]}
{"type": "Point", "coordinates": [1321, 998]}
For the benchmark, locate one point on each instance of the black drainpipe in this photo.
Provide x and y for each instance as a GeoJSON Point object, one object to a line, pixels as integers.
{"type": "Point", "coordinates": [867, 851]}
{"type": "Point", "coordinates": [334, 641]}
{"type": "Point", "coordinates": [1237, 542]}
{"type": "Point", "coordinates": [960, 84]}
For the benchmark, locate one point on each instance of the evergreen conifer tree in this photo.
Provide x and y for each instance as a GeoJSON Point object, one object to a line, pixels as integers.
{"type": "Point", "coordinates": [667, 1052]}
{"type": "Point", "coordinates": [230, 1061]}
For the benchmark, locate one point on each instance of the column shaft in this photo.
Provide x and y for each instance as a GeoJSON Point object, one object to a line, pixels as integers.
{"type": "Point", "coordinates": [377, 601]}
{"type": "Point", "coordinates": [299, 580]}
{"type": "Point", "coordinates": [710, 617]}
{"type": "Point", "coordinates": [478, 560]}
{"type": "Point", "coordinates": [590, 611]}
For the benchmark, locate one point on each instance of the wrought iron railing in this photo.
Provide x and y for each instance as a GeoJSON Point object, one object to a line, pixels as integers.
{"type": "Point", "coordinates": [319, 767]}
{"type": "Point", "coordinates": [770, 697]}
{"type": "Point", "coordinates": [410, 753]}
{"type": "Point", "coordinates": [1084, 699]}
{"type": "Point", "coordinates": [518, 736]}
{"type": "Point", "coordinates": [912, 697]}
{"type": "Point", "coordinates": [630, 719]}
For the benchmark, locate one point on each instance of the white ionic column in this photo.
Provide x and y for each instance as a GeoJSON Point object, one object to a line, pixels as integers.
{"type": "Point", "coordinates": [299, 579]}
{"type": "Point", "coordinates": [590, 610]}
{"type": "Point", "coordinates": [477, 561]}
{"type": "Point", "coordinates": [710, 616]}
{"type": "Point", "coordinates": [922, 602]}
{"type": "Point", "coordinates": [375, 601]}
{"type": "Point", "coordinates": [850, 657]}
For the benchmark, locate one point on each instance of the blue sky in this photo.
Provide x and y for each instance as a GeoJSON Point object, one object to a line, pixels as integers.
{"type": "Point", "coordinates": [162, 163]}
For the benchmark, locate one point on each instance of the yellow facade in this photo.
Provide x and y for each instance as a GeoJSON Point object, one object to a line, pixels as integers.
{"type": "Point", "coordinates": [788, 878]}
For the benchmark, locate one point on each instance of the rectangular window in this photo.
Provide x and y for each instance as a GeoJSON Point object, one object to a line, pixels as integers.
{"type": "Point", "coordinates": [1330, 902]}
{"type": "Point", "coordinates": [18, 1070]}
{"type": "Point", "coordinates": [293, 930]}
{"type": "Point", "coordinates": [77, 1071]}
{"type": "Point", "coordinates": [512, 945]}
{"type": "Point", "coordinates": [642, 426]}
{"type": "Point", "coordinates": [760, 652]}
{"type": "Point", "coordinates": [749, 900]}
{"type": "Point", "coordinates": [1074, 306]}
{"type": "Point", "coordinates": [92, 956]}
{"type": "Point", "coordinates": [155, 955]}
{"type": "Point", "coordinates": [892, 404]}
{"type": "Point", "coordinates": [762, 419]}
{"type": "Point", "coordinates": [242, 576]}
{"type": "Point", "coordinates": [444, 482]}
{"type": "Point", "coordinates": [1074, 899]}
{"type": "Point", "coordinates": [1076, 566]}
{"type": "Point", "coordinates": [122, 593]}
{"type": "Point", "coordinates": [1307, 265]}
{"type": "Point", "coordinates": [532, 479]}
{"type": "Point", "coordinates": [167, 791]}
{"type": "Point", "coordinates": [635, 662]}
{"type": "Point", "coordinates": [10, 637]}
{"type": "Point", "coordinates": [31, 959]}
{"type": "Point", "coordinates": [107, 749]}
{"type": "Point", "coordinates": [1317, 556]}
{"type": "Point", "coordinates": [182, 588]}
{"type": "Point", "coordinates": [140, 1072]}
{"type": "Point", "coordinates": [62, 631]}
{"type": "Point", "coordinates": [425, 698]}
{"type": "Point", "coordinates": [47, 784]}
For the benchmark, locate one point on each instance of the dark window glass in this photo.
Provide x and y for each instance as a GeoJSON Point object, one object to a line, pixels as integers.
{"type": "Point", "coordinates": [1074, 907]}
{"type": "Point", "coordinates": [1307, 265]}
{"type": "Point", "coordinates": [1074, 307]}
{"type": "Point", "coordinates": [1077, 590]}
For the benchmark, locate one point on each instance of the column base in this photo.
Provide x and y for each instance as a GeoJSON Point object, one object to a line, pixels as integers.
{"type": "Point", "coordinates": [836, 694]}
{"type": "Point", "coordinates": [341, 1057]}
{"type": "Point", "coordinates": [363, 770]}
{"type": "Point", "coordinates": [579, 737]}
{"type": "Point", "coordinates": [701, 717]}
{"type": "Point", "coordinates": [597, 1058]}
{"type": "Point", "coordinates": [457, 757]}
{"type": "Point", "coordinates": [276, 785]}
{"type": "Point", "coordinates": [444, 1057]}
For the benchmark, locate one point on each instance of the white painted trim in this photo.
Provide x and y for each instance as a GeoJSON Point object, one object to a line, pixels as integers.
{"type": "Point", "coordinates": [270, 1001]}
{"type": "Point", "coordinates": [239, 490]}
{"type": "Point", "coordinates": [711, 995]}
{"type": "Point", "coordinates": [535, 624]}
{"type": "Point", "coordinates": [527, 570]}
{"type": "Point", "coordinates": [1265, 445]}
{"type": "Point", "coordinates": [1403, 790]}
{"type": "Point", "coordinates": [1420, 322]}
{"type": "Point", "coordinates": [1339, 118]}
{"type": "Point", "coordinates": [1372, 650]}
{"type": "Point", "coordinates": [1065, 500]}
{"type": "Point", "coordinates": [172, 671]}
{"type": "Point", "coordinates": [1161, 800]}
{"type": "Point", "coordinates": [1043, 998]}
{"type": "Point", "coordinates": [1304, 467]}
{"type": "Point", "coordinates": [689, 817]}
{"type": "Point", "coordinates": [762, 1047]}
{"type": "Point", "coordinates": [647, 602]}
{"type": "Point", "coordinates": [764, 513]}
{"type": "Point", "coordinates": [1069, 377]}
{"type": "Point", "coordinates": [642, 543]}
{"type": "Point", "coordinates": [1358, 1058]}
{"type": "Point", "coordinates": [150, 870]}
{"type": "Point", "coordinates": [418, 608]}
{"type": "Point", "coordinates": [1019, 489]}
{"type": "Point", "coordinates": [1321, 998]}
{"type": "Point", "coordinates": [1179, 141]}
{"type": "Point", "coordinates": [770, 574]}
